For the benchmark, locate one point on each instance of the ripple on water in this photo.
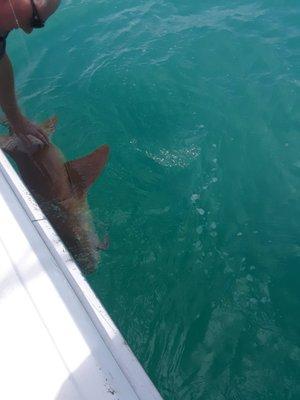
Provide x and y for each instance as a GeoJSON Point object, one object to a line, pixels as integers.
{"type": "Point", "coordinates": [199, 104]}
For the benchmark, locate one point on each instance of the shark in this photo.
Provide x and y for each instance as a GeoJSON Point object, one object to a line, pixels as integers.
{"type": "Point", "coordinates": [60, 188]}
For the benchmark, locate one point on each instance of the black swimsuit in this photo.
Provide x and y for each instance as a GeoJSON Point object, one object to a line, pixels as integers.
{"type": "Point", "coordinates": [3, 44]}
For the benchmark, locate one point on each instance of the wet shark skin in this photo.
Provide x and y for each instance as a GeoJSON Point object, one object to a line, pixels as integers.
{"type": "Point", "coordinates": [60, 189]}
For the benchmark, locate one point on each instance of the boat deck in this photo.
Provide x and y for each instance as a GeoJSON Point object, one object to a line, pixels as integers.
{"type": "Point", "coordinates": [57, 340]}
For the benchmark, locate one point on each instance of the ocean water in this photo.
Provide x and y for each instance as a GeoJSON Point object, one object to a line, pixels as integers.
{"type": "Point", "coordinates": [200, 104]}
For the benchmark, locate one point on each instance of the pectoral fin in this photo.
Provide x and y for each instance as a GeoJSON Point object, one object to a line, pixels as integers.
{"type": "Point", "coordinates": [49, 125]}
{"type": "Point", "coordinates": [104, 245]}
{"type": "Point", "coordinates": [84, 171]}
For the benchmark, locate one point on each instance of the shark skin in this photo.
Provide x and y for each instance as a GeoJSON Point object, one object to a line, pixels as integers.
{"type": "Point", "coordinates": [60, 189]}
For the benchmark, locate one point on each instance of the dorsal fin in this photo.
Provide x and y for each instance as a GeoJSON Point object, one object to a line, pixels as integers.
{"type": "Point", "coordinates": [84, 171]}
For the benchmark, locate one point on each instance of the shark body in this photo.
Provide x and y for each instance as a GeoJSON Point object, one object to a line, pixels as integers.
{"type": "Point", "coordinates": [60, 188]}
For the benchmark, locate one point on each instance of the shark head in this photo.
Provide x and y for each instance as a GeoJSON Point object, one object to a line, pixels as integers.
{"type": "Point", "coordinates": [60, 188]}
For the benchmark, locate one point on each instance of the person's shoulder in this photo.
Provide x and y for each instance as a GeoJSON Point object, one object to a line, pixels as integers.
{"type": "Point", "coordinates": [4, 7]}
{"type": "Point", "coordinates": [4, 3]}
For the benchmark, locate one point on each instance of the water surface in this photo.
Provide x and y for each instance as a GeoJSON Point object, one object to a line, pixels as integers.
{"type": "Point", "coordinates": [200, 105]}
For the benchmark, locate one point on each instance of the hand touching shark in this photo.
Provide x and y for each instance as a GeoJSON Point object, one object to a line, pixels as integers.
{"type": "Point", "coordinates": [60, 188]}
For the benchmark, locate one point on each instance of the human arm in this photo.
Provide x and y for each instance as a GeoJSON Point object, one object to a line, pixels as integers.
{"type": "Point", "coordinates": [8, 102]}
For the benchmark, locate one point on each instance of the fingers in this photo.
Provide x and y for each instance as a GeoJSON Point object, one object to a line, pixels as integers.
{"type": "Point", "coordinates": [27, 130]}
{"type": "Point", "coordinates": [38, 133]}
{"type": "Point", "coordinates": [35, 144]}
{"type": "Point", "coordinates": [31, 141]}
{"type": "Point", "coordinates": [26, 139]}
{"type": "Point", "coordinates": [42, 135]}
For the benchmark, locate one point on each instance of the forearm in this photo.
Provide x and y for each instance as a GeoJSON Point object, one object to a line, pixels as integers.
{"type": "Point", "coordinates": [8, 101]}
{"type": "Point", "coordinates": [19, 123]}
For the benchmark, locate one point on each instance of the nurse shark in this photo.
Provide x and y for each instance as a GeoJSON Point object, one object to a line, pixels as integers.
{"type": "Point", "coordinates": [60, 188]}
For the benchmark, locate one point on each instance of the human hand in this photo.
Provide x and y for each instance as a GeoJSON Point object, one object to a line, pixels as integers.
{"type": "Point", "coordinates": [28, 131]}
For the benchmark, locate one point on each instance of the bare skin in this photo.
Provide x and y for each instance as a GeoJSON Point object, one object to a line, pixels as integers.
{"type": "Point", "coordinates": [17, 14]}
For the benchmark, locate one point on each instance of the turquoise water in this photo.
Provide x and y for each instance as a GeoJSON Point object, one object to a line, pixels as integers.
{"type": "Point", "coordinates": [200, 105]}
